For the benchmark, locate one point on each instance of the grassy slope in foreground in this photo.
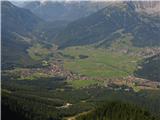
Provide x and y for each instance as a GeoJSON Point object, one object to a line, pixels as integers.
{"type": "Point", "coordinates": [100, 62]}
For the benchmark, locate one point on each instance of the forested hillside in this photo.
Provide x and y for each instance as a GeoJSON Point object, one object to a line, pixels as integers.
{"type": "Point", "coordinates": [17, 26]}
{"type": "Point", "coordinates": [117, 111]}
{"type": "Point", "coordinates": [150, 68]}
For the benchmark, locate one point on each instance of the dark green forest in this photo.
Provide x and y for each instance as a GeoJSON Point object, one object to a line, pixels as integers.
{"type": "Point", "coordinates": [42, 100]}
{"type": "Point", "coordinates": [150, 68]}
{"type": "Point", "coordinates": [117, 111]}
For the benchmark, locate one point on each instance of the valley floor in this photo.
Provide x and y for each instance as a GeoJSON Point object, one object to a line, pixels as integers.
{"type": "Point", "coordinates": [75, 82]}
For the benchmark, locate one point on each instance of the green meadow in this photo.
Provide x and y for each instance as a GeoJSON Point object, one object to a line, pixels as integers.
{"type": "Point", "coordinates": [77, 84]}
{"type": "Point", "coordinates": [38, 52]}
{"type": "Point", "coordinates": [100, 62]}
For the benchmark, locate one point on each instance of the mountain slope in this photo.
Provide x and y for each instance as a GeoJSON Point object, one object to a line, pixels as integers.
{"type": "Point", "coordinates": [17, 20]}
{"type": "Point", "coordinates": [47, 31]}
{"type": "Point", "coordinates": [105, 25]}
{"type": "Point", "coordinates": [148, 6]}
{"type": "Point", "coordinates": [17, 25]}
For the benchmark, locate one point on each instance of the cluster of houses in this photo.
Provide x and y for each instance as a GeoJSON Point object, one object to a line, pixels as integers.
{"type": "Point", "coordinates": [57, 69]}
{"type": "Point", "coordinates": [54, 69]}
{"type": "Point", "coordinates": [149, 52]}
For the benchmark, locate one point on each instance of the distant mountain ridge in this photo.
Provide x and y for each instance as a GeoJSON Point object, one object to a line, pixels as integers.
{"type": "Point", "coordinates": [150, 7]}
{"type": "Point", "coordinates": [111, 23]}
{"type": "Point", "coordinates": [73, 10]}
{"type": "Point", "coordinates": [64, 10]}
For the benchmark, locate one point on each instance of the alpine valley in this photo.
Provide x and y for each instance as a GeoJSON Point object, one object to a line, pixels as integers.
{"type": "Point", "coordinates": [80, 60]}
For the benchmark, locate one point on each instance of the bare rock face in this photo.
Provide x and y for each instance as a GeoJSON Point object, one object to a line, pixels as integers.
{"type": "Point", "coordinates": [146, 6]}
{"type": "Point", "coordinates": [149, 6]}
{"type": "Point", "coordinates": [73, 10]}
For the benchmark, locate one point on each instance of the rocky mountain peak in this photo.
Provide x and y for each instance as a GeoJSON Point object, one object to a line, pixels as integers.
{"type": "Point", "coordinates": [149, 7]}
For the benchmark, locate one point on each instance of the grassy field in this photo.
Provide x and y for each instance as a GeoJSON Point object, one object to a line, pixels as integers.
{"type": "Point", "coordinates": [77, 84]}
{"type": "Point", "coordinates": [25, 74]}
{"type": "Point", "coordinates": [100, 62]}
{"type": "Point", "coordinates": [35, 76]}
{"type": "Point", "coordinates": [38, 52]}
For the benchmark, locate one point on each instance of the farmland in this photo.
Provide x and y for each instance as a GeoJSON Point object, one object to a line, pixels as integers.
{"type": "Point", "coordinates": [84, 83]}
{"type": "Point", "coordinates": [100, 62]}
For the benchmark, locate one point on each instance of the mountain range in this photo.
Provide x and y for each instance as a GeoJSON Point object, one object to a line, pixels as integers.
{"type": "Point", "coordinates": [65, 10]}
{"type": "Point", "coordinates": [111, 23]}
{"type": "Point", "coordinates": [73, 10]}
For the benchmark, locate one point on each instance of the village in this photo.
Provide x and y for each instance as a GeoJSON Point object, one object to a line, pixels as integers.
{"type": "Point", "coordinates": [56, 69]}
